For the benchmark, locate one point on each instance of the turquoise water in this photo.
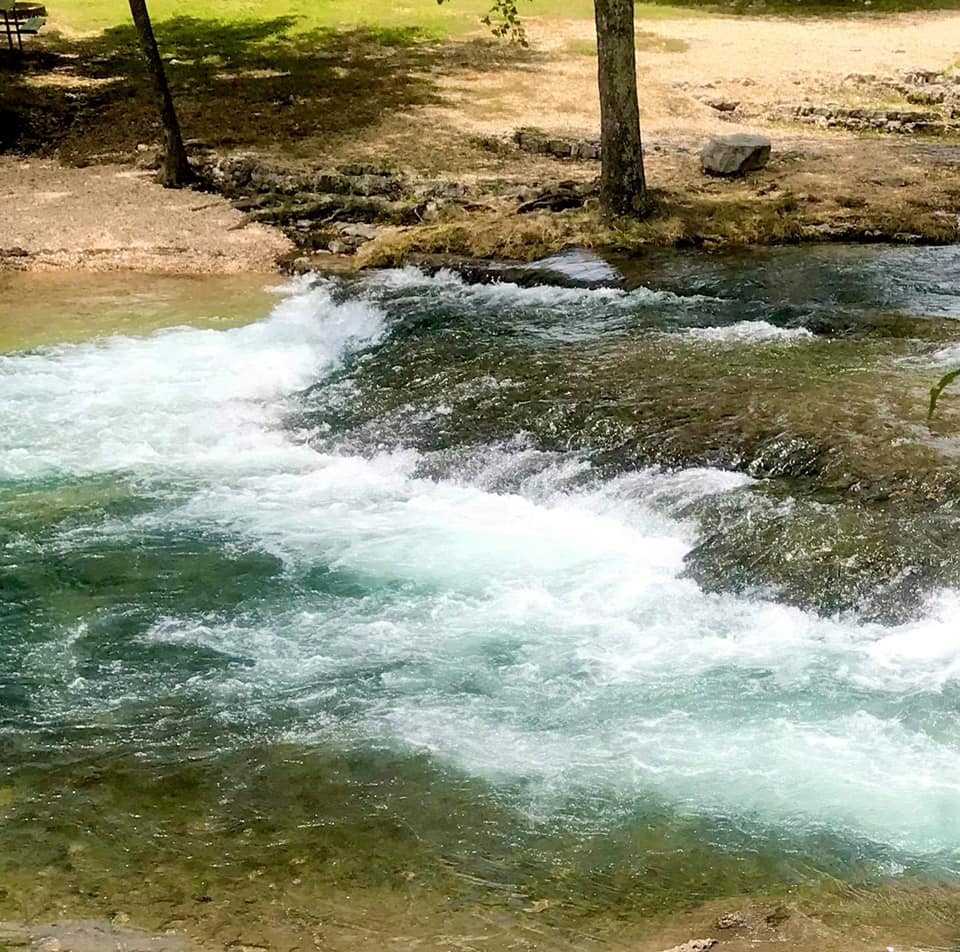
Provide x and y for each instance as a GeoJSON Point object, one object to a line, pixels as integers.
{"type": "Point", "coordinates": [507, 567]}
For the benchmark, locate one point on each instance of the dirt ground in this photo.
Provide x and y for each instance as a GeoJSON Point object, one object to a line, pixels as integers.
{"type": "Point", "coordinates": [109, 217]}
{"type": "Point", "coordinates": [433, 108]}
{"type": "Point", "coordinates": [756, 61]}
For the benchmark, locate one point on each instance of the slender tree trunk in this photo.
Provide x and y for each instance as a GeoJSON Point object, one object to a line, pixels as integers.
{"type": "Point", "coordinates": [176, 169]}
{"type": "Point", "coordinates": [623, 186]}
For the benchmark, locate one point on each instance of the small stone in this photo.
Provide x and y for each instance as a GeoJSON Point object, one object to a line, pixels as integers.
{"type": "Point", "coordinates": [928, 96]}
{"type": "Point", "coordinates": [731, 920]}
{"type": "Point", "coordinates": [777, 916]}
{"type": "Point", "coordinates": [360, 230]}
{"type": "Point", "coordinates": [694, 945]}
{"type": "Point", "coordinates": [722, 105]}
{"type": "Point", "coordinates": [49, 945]}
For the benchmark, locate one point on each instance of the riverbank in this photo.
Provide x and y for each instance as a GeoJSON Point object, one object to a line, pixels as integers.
{"type": "Point", "coordinates": [107, 218]}
{"type": "Point", "coordinates": [842, 920]}
{"type": "Point", "coordinates": [432, 135]}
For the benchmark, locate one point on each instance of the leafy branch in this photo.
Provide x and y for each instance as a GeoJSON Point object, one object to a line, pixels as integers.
{"type": "Point", "coordinates": [504, 21]}
{"type": "Point", "coordinates": [503, 18]}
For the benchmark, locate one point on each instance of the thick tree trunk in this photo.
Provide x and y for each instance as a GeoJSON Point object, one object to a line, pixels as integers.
{"type": "Point", "coordinates": [623, 186]}
{"type": "Point", "coordinates": [176, 169]}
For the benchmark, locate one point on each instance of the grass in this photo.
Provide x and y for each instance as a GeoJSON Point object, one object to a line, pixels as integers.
{"type": "Point", "coordinates": [451, 18]}
{"type": "Point", "coordinates": [447, 19]}
{"type": "Point", "coordinates": [726, 215]}
{"type": "Point", "coordinates": [646, 42]}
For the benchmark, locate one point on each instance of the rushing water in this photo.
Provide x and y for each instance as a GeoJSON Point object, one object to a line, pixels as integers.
{"type": "Point", "coordinates": [610, 599]}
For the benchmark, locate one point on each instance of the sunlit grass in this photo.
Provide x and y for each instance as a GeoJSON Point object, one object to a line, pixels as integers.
{"type": "Point", "coordinates": [451, 18]}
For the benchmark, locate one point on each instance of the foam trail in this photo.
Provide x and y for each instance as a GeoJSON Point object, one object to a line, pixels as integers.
{"type": "Point", "coordinates": [449, 285]}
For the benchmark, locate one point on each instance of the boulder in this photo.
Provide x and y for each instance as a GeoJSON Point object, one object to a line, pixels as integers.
{"type": "Point", "coordinates": [735, 155]}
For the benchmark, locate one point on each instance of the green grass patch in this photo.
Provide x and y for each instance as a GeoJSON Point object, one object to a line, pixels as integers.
{"type": "Point", "coordinates": [582, 47]}
{"type": "Point", "coordinates": [452, 17]}
{"type": "Point", "coordinates": [439, 20]}
{"type": "Point", "coordinates": [647, 42]}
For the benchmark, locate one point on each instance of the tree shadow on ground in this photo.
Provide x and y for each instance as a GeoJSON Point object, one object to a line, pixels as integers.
{"type": "Point", "coordinates": [238, 84]}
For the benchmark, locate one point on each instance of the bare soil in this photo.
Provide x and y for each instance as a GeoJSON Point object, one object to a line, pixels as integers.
{"type": "Point", "coordinates": [109, 217]}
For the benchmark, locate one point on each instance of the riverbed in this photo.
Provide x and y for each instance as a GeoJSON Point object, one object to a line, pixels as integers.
{"type": "Point", "coordinates": [552, 610]}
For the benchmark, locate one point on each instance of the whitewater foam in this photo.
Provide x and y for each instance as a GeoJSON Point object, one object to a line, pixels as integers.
{"type": "Point", "coordinates": [448, 284]}
{"type": "Point", "coordinates": [182, 399]}
{"type": "Point", "coordinates": [544, 633]}
{"type": "Point", "coordinates": [749, 332]}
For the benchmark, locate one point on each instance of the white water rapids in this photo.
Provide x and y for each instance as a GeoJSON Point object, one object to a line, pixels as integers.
{"type": "Point", "coordinates": [544, 637]}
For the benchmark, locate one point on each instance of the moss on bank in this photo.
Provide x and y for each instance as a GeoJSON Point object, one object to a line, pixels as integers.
{"type": "Point", "coordinates": [679, 221]}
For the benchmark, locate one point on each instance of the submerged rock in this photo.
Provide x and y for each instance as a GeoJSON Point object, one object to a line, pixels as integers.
{"type": "Point", "coordinates": [735, 155]}
{"type": "Point", "coordinates": [87, 936]}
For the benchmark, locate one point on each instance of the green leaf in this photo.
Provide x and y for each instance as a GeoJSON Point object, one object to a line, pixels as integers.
{"type": "Point", "coordinates": [940, 386]}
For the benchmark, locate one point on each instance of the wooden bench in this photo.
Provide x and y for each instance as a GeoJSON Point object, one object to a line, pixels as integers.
{"type": "Point", "coordinates": [21, 18]}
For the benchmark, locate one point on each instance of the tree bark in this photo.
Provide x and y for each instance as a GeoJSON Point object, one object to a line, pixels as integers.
{"type": "Point", "coordinates": [176, 169]}
{"type": "Point", "coordinates": [623, 185]}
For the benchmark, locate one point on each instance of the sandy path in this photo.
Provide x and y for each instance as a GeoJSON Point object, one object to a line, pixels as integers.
{"type": "Point", "coordinates": [105, 218]}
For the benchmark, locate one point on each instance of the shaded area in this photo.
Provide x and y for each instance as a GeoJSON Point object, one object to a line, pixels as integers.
{"type": "Point", "coordinates": [243, 83]}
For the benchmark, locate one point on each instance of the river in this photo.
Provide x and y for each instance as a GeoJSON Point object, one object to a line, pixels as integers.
{"type": "Point", "coordinates": [523, 613]}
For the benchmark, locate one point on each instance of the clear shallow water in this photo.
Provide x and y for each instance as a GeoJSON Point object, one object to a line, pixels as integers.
{"type": "Point", "coordinates": [399, 536]}
{"type": "Point", "coordinates": [51, 307]}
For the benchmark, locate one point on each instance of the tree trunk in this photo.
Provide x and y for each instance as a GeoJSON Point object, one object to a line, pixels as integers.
{"type": "Point", "coordinates": [176, 169]}
{"type": "Point", "coordinates": [623, 186]}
